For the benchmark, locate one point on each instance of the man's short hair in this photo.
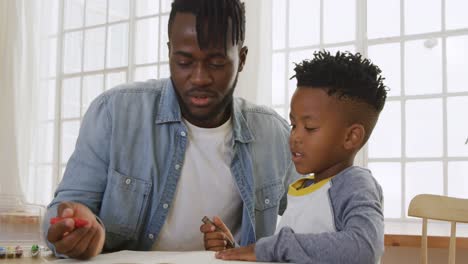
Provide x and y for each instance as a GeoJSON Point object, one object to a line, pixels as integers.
{"type": "Point", "coordinates": [214, 18]}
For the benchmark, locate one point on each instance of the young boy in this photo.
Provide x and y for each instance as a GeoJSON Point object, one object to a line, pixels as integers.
{"type": "Point", "coordinates": [335, 215]}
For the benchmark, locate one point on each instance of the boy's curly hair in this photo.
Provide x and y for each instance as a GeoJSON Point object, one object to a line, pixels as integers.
{"type": "Point", "coordinates": [346, 75]}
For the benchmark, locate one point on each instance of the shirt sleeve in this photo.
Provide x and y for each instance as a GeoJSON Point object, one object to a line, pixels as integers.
{"type": "Point", "coordinates": [85, 177]}
{"type": "Point", "coordinates": [358, 240]}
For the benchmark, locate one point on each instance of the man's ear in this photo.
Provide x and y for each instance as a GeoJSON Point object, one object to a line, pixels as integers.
{"type": "Point", "coordinates": [354, 137]}
{"type": "Point", "coordinates": [242, 57]}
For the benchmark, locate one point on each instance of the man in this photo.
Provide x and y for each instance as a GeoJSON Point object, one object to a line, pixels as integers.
{"type": "Point", "coordinates": [153, 158]}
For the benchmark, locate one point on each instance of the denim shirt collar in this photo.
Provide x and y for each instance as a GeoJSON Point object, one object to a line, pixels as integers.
{"type": "Point", "coordinates": [169, 111]}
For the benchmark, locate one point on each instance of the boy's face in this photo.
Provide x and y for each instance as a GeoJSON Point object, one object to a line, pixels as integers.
{"type": "Point", "coordinates": [318, 131]}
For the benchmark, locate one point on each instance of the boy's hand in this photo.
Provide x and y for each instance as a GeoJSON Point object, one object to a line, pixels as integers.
{"type": "Point", "coordinates": [216, 240]}
{"type": "Point", "coordinates": [76, 242]}
{"type": "Point", "coordinates": [243, 253]}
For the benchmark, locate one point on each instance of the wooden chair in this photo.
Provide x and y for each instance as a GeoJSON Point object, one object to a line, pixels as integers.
{"type": "Point", "coordinates": [428, 206]}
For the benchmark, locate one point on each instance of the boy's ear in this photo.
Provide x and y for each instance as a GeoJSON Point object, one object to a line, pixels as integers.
{"type": "Point", "coordinates": [354, 137]}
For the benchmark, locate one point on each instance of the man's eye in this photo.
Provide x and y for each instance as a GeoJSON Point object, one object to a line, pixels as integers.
{"type": "Point", "coordinates": [217, 64]}
{"type": "Point", "coordinates": [183, 63]}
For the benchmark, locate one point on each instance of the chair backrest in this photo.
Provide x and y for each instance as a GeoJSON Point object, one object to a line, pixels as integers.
{"type": "Point", "coordinates": [428, 206]}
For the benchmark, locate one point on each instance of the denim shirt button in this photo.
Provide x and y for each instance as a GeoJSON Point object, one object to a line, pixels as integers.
{"type": "Point", "coordinates": [183, 133]}
{"type": "Point", "coordinates": [151, 236]}
{"type": "Point", "coordinates": [165, 206]}
{"type": "Point", "coordinates": [128, 181]}
{"type": "Point", "coordinates": [177, 166]}
{"type": "Point", "coordinates": [267, 201]}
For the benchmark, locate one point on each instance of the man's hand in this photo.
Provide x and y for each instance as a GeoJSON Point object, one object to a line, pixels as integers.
{"type": "Point", "coordinates": [216, 240]}
{"type": "Point", "coordinates": [81, 243]}
{"type": "Point", "coordinates": [243, 253]}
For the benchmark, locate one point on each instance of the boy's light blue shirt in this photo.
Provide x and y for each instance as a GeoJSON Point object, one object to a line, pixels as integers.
{"type": "Point", "coordinates": [130, 151]}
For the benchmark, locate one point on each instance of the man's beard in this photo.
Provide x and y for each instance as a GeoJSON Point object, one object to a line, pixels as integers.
{"type": "Point", "coordinates": [224, 106]}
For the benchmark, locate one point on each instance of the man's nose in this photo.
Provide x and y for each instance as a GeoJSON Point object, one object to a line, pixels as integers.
{"type": "Point", "coordinates": [201, 75]}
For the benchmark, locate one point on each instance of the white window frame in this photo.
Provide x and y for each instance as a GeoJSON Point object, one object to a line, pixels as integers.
{"type": "Point", "coordinates": [58, 164]}
{"type": "Point", "coordinates": [361, 44]}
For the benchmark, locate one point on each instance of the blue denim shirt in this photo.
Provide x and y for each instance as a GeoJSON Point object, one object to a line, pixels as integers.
{"type": "Point", "coordinates": [130, 152]}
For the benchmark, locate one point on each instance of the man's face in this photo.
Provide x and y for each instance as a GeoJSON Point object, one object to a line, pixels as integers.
{"type": "Point", "coordinates": [204, 80]}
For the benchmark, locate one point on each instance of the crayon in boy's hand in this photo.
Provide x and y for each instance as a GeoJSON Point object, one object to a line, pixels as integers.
{"type": "Point", "coordinates": [78, 222]}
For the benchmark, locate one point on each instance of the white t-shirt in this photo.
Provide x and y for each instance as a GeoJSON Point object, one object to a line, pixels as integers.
{"type": "Point", "coordinates": [205, 187]}
{"type": "Point", "coordinates": [309, 209]}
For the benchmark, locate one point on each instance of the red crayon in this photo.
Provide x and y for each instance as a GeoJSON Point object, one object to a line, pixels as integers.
{"type": "Point", "coordinates": [78, 222]}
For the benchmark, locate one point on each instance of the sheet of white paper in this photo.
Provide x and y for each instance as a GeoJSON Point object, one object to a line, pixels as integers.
{"type": "Point", "coordinates": [154, 257]}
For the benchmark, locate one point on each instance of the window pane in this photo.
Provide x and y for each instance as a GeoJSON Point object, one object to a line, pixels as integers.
{"type": "Point", "coordinates": [280, 111]}
{"type": "Point", "coordinates": [421, 20]}
{"type": "Point", "coordinates": [278, 18]}
{"type": "Point", "coordinates": [94, 49]}
{"type": "Point", "coordinates": [74, 10]}
{"type": "Point", "coordinates": [117, 50]}
{"type": "Point", "coordinates": [146, 73]}
{"type": "Point", "coordinates": [52, 62]}
{"type": "Point", "coordinates": [457, 127]}
{"type": "Point", "coordinates": [383, 18]}
{"type": "Point", "coordinates": [50, 16]}
{"type": "Point", "coordinates": [50, 101]}
{"type": "Point", "coordinates": [423, 177]}
{"type": "Point", "coordinates": [424, 128]}
{"type": "Point", "coordinates": [296, 57]}
{"type": "Point", "coordinates": [115, 78]}
{"type": "Point", "coordinates": [458, 179]}
{"type": "Point", "coordinates": [387, 57]}
{"type": "Point", "coordinates": [388, 174]}
{"type": "Point", "coordinates": [147, 7]}
{"type": "Point", "coordinates": [71, 98]}
{"type": "Point", "coordinates": [334, 50]}
{"type": "Point", "coordinates": [278, 79]}
{"type": "Point", "coordinates": [166, 5]}
{"type": "Point", "coordinates": [118, 10]}
{"type": "Point", "coordinates": [146, 43]}
{"type": "Point", "coordinates": [92, 87]}
{"type": "Point", "coordinates": [388, 127]}
{"type": "Point", "coordinates": [454, 14]}
{"type": "Point", "coordinates": [304, 22]}
{"type": "Point", "coordinates": [46, 151]}
{"type": "Point", "coordinates": [43, 182]}
{"type": "Point", "coordinates": [423, 67]}
{"type": "Point", "coordinates": [62, 171]}
{"type": "Point", "coordinates": [342, 29]}
{"type": "Point", "coordinates": [164, 71]}
{"type": "Point", "coordinates": [163, 50]}
{"type": "Point", "coordinates": [457, 64]}
{"type": "Point", "coordinates": [96, 12]}
{"type": "Point", "coordinates": [73, 49]}
{"type": "Point", "coordinates": [70, 131]}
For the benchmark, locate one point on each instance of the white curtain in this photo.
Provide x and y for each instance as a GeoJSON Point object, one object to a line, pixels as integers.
{"type": "Point", "coordinates": [255, 80]}
{"type": "Point", "coordinates": [23, 56]}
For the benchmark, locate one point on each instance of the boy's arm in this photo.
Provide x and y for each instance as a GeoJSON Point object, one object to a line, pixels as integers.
{"type": "Point", "coordinates": [359, 215]}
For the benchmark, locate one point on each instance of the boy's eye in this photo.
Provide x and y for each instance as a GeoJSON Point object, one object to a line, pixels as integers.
{"type": "Point", "coordinates": [311, 129]}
